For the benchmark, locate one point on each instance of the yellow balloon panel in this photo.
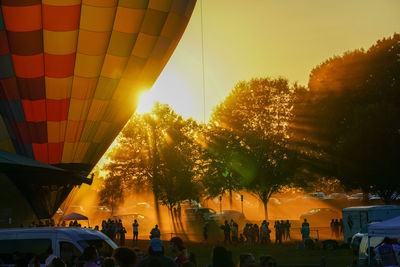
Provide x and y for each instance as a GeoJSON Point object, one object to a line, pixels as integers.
{"type": "Point", "coordinates": [121, 43]}
{"type": "Point", "coordinates": [97, 109]}
{"type": "Point", "coordinates": [172, 26]}
{"type": "Point", "coordinates": [88, 66]}
{"type": "Point", "coordinates": [83, 88]}
{"type": "Point", "coordinates": [160, 5]}
{"type": "Point", "coordinates": [105, 88]}
{"type": "Point", "coordinates": [80, 152]}
{"type": "Point", "coordinates": [67, 152]}
{"type": "Point", "coordinates": [128, 20]}
{"type": "Point", "coordinates": [73, 131]}
{"type": "Point", "coordinates": [58, 88]}
{"type": "Point", "coordinates": [144, 45]}
{"type": "Point", "coordinates": [61, 2]}
{"type": "Point", "coordinates": [89, 131]}
{"type": "Point", "coordinates": [113, 66]}
{"type": "Point", "coordinates": [56, 131]}
{"type": "Point", "coordinates": [153, 22]}
{"type": "Point", "coordinates": [104, 128]}
{"type": "Point", "coordinates": [98, 19]}
{"type": "Point", "coordinates": [92, 42]}
{"type": "Point", "coordinates": [136, 4]}
{"type": "Point", "coordinates": [100, 3]}
{"type": "Point", "coordinates": [59, 42]}
{"type": "Point", "coordinates": [7, 145]}
{"type": "Point", "coordinates": [78, 109]}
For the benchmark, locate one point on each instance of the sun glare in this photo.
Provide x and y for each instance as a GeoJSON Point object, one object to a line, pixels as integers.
{"type": "Point", "coordinates": [146, 102]}
{"type": "Point", "coordinates": [172, 89]}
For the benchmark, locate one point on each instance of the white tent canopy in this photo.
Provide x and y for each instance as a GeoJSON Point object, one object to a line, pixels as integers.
{"type": "Point", "coordinates": [389, 228]}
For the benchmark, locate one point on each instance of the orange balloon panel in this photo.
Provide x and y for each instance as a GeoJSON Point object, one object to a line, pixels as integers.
{"type": "Point", "coordinates": [70, 71]}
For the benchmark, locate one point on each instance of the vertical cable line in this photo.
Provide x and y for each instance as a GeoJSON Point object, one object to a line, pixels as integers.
{"type": "Point", "coordinates": [202, 61]}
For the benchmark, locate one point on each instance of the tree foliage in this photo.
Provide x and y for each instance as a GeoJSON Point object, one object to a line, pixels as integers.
{"type": "Point", "coordinates": [348, 120]}
{"type": "Point", "coordinates": [256, 115]}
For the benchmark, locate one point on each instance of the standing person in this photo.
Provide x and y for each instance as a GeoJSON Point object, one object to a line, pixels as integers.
{"type": "Point", "coordinates": [221, 257]}
{"type": "Point", "coordinates": [287, 228]}
{"type": "Point", "coordinates": [235, 233]}
{"type": "Point", "coordinates": [332, 228]}
{"type": "Point", "coordinates": [278, 236]}
{"type": "Point", "coordinates": [90, 256]}
{"type": "Point", "coordinates": [179, 250]}
{"type": "Point", "coordinates": [155, 232]}
{"type": "Point", "coordinates": [135, 227]}
{"type": "Point", "coordinates": [125, 257]}
{"type": "Point", "coordinates": [205, 231]}
{"type": "Point", "coordinates": [256, 233]}
{"type": "Point", "coordinates": [336, 228]}
{"type": "Point", "coordinates": [341, 226]}
{"type": "Point", "coordinates": [122, 233]}
{"type": "Point", "coordinates": [250, 235]}
{"type": "Point", "coordinates": [283, 230]}
{"type": "Point", "coordinates": [305, 233]}
{"type": "Point", "coordinates": [156, 256]}
{"type": "Point", "coordinates": [246, 232]}
{"type": "Point", "coordinates": [227, 232]}
{"type": "Point", "coordinates": [246, 260]}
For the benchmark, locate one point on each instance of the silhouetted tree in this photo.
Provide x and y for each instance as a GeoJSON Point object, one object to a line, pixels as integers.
{"type": "Point", "coordinates": [348, 121]}
{"type": "Point", "coordinates": [256, 114]}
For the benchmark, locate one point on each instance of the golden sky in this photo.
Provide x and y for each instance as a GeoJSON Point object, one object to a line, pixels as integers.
{"type": "Point", "coordinates": [257, 38]}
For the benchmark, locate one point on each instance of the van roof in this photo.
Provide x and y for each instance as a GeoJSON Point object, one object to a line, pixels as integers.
{"type": "Point", "coordinates": [378, 207]}
{"type": "Point", "coordinates": [71, 232]}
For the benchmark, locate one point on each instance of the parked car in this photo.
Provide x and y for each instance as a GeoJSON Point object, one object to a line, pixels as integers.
{"type": "Point", "coordinates": [338, 196]}
{"type": "Point", "coordinates": [227, 215]}
{"type": "Point", "coordinates": [316, 195]}
{"type": "Point", "coordinates": [372, 197]}
{"type": "Point", "coordinates": [65, 243]}
{"type": "Point", "coordinates": [199, 214]}
{"type": "Point", "coordinates": [356, 196]}
{"type": "Point", "coordinates": [320, 216]}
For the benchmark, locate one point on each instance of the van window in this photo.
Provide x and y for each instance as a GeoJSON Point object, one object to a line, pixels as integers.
{"type": "Point", "coordinates": [102, 246]}
{"type": "Point", "coordinates": [24, 249]}
{"type": "Point", "coordinates": [67, 250]}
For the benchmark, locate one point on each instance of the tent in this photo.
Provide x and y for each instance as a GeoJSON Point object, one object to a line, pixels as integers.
{"type": "Point", "coordinates": [389, 228]}
{"type": "Point", "coordinates": [74, 216]}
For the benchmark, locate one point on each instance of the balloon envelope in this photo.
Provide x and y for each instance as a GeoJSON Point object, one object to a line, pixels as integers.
{"type": "Point", "coordinates": [71, 72]}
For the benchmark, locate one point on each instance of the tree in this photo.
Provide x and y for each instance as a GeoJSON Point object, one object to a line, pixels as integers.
{"type": "Point", "coordinates": [218, 176]}
{"type": "Point", "coordinates": [154, 153]}
{"type": "Point", "coordinates": [256, 115]}
{"type": "Point", "coordinates": [112, 192]}
{"type": "Point", "coordinates": [347, 121]}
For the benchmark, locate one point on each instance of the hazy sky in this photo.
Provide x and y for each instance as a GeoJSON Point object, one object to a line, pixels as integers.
{"type": "Point", "coordinates": [257, 38]}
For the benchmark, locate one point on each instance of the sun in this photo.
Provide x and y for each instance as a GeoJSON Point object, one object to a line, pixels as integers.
{"type": "Point", "coordinates": [172, 89]}
{"type": "Point", "coordinates": [146, 102]}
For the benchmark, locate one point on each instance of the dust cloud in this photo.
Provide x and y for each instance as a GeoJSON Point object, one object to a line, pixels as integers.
{"type": "Point", "coordinates": [285, 206]}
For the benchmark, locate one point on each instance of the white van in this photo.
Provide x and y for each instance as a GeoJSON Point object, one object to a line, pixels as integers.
{"type": "Point", "coordinates": [64, 242]}
{"type": "Point", "coordinates": [356, 219]}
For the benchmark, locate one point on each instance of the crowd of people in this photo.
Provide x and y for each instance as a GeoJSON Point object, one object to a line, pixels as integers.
{"type": "Point", "coordinates": [252, 233]}
{"type": "Point", "coordinates": [336, 228]}
{"type": "Point", "coordinates": [155, 257]}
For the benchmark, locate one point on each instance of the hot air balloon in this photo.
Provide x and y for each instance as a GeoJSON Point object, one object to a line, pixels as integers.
{"type": "Point", "coordinates": [70, 75]}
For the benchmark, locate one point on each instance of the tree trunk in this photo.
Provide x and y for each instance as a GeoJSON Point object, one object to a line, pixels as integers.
{"type": "Point", "coordinates": [265, 209]}
{"type": "Point", "coordinates": [230, 199]}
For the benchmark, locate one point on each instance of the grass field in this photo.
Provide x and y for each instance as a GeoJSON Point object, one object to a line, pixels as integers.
{"type": "Point", "coordinates": [284, 254]}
